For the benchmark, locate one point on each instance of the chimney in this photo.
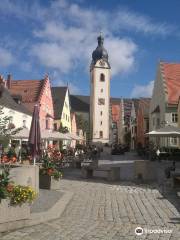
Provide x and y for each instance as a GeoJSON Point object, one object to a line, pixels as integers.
{"type": "Point", "coordinates": [9, 79]}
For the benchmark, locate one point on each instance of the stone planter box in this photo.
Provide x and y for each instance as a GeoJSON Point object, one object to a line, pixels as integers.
{"type": "Point", "coordinates": [10, 213]}
{"type": "Point", "coordinates": [47, 182]}
{"type": "Point", "coordinates": [26, 175]}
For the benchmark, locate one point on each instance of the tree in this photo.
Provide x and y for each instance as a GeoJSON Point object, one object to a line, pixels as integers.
{"type": "Point", "coordinates": [82, 123]}
{"type": "Point", "coordinates": [63, 129]}
{"type": "Point", "coordinates": [6, 128]}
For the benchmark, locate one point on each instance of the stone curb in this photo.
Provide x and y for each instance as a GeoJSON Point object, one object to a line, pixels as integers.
{"type": "Point", "coordinates": [37, 218]}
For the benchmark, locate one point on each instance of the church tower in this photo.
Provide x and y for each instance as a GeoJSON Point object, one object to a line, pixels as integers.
{"type": "Point", "coordinates": [100, 94]}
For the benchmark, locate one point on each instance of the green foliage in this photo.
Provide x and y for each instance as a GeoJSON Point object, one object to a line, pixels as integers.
{"type": "Point", "coordinates": [11, 152]}
{"type": "Point", "coordinates": [22, 194]}
{"type": "Point", "coordinates": [82, 123]}
{"type": "Point", "coordinates": [63, 129]}
{"type": "Point", "coordinates": [4, 181]}
{"type": "Point", "coordinates": [17, 194]}
{"type": "Point", "coordinates": [49, 168]}
{"type": "Point", "coordinates": [5, 129]}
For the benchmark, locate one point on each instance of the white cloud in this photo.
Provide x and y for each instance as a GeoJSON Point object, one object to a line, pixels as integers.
{"type": "Point", "coordinates": [6, 57]}
{"type": "Point", "coordinates": [143, 90]}
{"type": "Point", "coordinates": [68, 45]}
{"type": "Point", "coordinates": [53, 55]}
{"type": "Point", "coordinates": [57, 80]}
{"type": "Point", "coordinates": [66, 34]}
{"type": "Point", "coordinates": [23, 9]}
{"type": "Point", "coordinates": [121, 54]}
{"type": "Point", "coordinates": [126, 19]}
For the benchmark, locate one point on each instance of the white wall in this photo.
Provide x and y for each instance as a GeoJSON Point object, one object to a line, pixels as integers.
{"type": "Point", "coordinates": [159, 97]}
{"type": "Point", "coordinates": [17, 117]}
{"type": "Point", "coordinates": [95, 108]}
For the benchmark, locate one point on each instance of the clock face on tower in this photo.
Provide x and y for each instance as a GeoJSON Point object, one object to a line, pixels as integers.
{"type": "Point", "coordinates": [102, 63]}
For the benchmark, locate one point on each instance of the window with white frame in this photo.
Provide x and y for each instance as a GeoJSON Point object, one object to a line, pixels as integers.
{"type": "Point", "coordinates": [174, 117]}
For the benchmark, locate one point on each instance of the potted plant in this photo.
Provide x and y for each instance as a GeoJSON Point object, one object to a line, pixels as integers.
{"type": "Point", "coordinates": [49, 171]}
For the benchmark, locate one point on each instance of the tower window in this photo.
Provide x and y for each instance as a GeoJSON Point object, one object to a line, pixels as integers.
{"type": "Point", "coordinates": [101, 90]}
{"type": "Point", "coordinates": [101, 101]}
{"type": "Point", "coordinates": [24, 123]}
{"type": "Point", "coordinates": [102, 77]}
{"type": "Point", "coordinates": [101, 134]}
{"type": "Point", "coordinates": [101, 122]}
{"type": "Point", "coordinates": [101, 113]}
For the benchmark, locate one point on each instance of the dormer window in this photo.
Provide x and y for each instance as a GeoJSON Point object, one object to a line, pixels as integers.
{"type": "Point", "coordinates": [102, 77]}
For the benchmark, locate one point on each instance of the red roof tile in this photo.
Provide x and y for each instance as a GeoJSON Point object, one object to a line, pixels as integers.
{"type": "Point", "coordinates": [171, 73]}
{"type": "Point", "coordinates": [28, 89]}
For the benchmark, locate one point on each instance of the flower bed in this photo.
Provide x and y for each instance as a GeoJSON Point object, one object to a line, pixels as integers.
{"type": "Point", "coordinates": [14, 199]}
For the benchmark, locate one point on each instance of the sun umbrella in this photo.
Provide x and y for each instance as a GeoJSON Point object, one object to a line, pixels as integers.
{"type": "Point", "coordinates": [167, 131]}
{"type": "Point", "coordinates": [35, 135]}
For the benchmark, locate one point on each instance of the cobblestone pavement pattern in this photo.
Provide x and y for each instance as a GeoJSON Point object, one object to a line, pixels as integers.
{"type": "Point", "coordinates": [99, 210]}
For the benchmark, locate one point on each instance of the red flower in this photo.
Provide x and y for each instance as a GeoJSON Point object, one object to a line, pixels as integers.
{"type": "Point", "coordinates": [14, 159]}
{"type": "Point", "coordinates": [9, 187]}
{"type": "Point", "coordinates": [50, 171]}
{"type": "Point", "coordinates": [5, 159]}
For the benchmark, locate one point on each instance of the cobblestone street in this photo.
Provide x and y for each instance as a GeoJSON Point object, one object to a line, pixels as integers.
{"type": "Point", "coordinates": [99, 210]}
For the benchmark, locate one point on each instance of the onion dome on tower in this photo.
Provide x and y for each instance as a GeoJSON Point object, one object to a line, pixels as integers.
{"type": "Point", "coordinates": [100, 52]}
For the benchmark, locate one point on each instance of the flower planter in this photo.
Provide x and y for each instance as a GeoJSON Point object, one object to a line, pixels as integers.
{"type": "Point", "coordinates": [55, 184]}
{"type": "Point", "coordinates": [10, 213]}
{"type": "Point", "coordinates": [48, 182]}
{"type": "Point", "coordinates": [44, 181]}
{"type": "Point", "coordinates": [26, 162]}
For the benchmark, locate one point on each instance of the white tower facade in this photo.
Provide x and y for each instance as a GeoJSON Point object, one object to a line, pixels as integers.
{"type": "Point", "coordinates": [100, 94]}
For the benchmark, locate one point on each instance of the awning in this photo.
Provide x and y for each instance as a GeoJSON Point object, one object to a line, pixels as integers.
{"type": "Point", "coordinates": [74, 136]}
{"type": "Point", "coordinates": [45, 134]}
{"type": "Point", "coordinates": [167, 131]}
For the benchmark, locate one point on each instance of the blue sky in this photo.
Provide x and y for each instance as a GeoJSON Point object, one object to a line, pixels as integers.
{"type": "Point", "coordinates": [58, 37]}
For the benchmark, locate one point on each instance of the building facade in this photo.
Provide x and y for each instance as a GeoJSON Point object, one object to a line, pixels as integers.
{"type": "Point", "coordinates": [133, 123]}
{"type": "Point", "coordinates": [19, 116]}
{"type": "Point", "coordinates": [143, 122]}
{"type": "Point", "coordinates": [62, 108]}
{"type": "Point", "coordinates": [32, 92]}
{"type": "Point", "coordinates": [100, 94]}
{"type": "Point", "coordinates": [165, 97]}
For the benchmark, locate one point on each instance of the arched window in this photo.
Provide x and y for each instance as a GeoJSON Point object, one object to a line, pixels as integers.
{"type": "Point", "coordinates": [102, 77]}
